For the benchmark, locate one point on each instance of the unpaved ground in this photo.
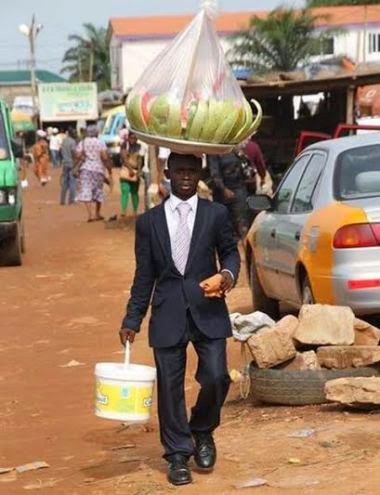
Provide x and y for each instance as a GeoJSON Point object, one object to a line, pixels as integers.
{"type": "Point", "coordinates": [65, 304]}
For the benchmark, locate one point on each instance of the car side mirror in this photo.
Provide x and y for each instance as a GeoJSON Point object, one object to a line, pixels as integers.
{"type": "Point", "coordinates": [17, 149]}
{"type": "Point", "coordinates": [260, 202]}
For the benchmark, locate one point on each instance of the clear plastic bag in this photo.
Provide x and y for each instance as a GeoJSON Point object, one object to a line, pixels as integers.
{"type": "Point", "coordinates": [189, 92]}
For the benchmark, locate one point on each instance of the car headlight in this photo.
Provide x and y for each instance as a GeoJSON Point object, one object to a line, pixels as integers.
{"type": "Point", "coordinates": [8, 196]}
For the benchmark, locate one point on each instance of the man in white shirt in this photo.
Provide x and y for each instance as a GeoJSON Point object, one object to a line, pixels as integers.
{"type": "Point", "coordinates": [180, 243]}
{"type": "Point", "coordinates": [55, 144]}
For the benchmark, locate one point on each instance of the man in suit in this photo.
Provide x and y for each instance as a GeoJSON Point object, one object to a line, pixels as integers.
{"type": "Point", "coordinates": [177, 246]}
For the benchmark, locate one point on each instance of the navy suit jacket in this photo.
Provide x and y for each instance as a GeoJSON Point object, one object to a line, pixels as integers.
{"type": "Point", "coordinates": [173, 293]}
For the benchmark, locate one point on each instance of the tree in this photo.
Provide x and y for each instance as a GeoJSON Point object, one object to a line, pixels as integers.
{"type": "Point", "coordinates": [337, 3]}
{"type": "Point", "coordinates": [282, 41]}
{"type": "Point", "coordinates": [88, 59]}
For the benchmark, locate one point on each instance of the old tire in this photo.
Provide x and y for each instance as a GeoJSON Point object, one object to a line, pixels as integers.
{"type": "Point", "coordinates": [297, 388]}
{"type": "Point", "coordinates": [11, 253]}
{"type": "Point", "coordinates": [260, 301]}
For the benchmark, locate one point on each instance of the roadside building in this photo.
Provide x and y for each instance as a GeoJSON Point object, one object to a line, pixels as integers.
{"type": "Point", "coordinates": [136, 41]}
{"type": "Point", "coordinates": [16, 83]}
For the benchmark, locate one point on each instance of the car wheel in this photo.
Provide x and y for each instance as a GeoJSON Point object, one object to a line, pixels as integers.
{"type": "Point", "coordinates": [261, 302]}
{"type": "Point", "coordinates": [11, 254]}
{"type": "Point", "coordinates": [22, 237]}
{"type": "Point", "coordinates": [307, 292]}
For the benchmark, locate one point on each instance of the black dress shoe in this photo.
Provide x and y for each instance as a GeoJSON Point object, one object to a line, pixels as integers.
{"type": "Point", "coordinates": [205, 451]}
{"type": "Point", "coordinates": [178, 471]}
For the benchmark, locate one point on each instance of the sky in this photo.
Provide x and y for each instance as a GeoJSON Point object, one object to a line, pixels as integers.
{"type": "Point", "coordinates": [63, 17]}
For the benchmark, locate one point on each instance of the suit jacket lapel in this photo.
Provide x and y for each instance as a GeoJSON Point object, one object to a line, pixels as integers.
{"type": "Point", "coordinates": [200, 227]}
{"type": "Point", "coordinates": [161, 227]}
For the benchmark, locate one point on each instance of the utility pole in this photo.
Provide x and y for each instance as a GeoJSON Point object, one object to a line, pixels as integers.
{"type": "Point", "coordinates": [31, 32]}
{"type": "Point", "coordinates": [91, 68]}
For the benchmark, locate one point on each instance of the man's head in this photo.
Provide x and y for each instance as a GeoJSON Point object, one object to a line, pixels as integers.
{"type": "Point", "coordinates": [184, 172]}
{"type": "Point", "coordinates": [72, 132]}
{"type": "Point", "coordinates": [132, 138]}
{"type": "Point", "coordinates": [41, 134]}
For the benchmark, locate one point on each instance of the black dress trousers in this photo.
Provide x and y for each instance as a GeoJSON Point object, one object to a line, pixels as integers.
{"type": "Point", "coordinates": [212, 375]}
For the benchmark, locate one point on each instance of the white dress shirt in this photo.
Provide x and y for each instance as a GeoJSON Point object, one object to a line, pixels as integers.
{"type": "Point", "coordinates": [172, 218]}
{"type": "Point", "coordinates": [172, 214]}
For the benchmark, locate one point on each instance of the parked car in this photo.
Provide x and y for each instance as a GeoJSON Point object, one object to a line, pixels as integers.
{"type": "Point", "coordinates": [11, 225]}
{"type": "Point", "coordinates": [318, 239]}
{"type": "Point", "coordinates": [115, 119]}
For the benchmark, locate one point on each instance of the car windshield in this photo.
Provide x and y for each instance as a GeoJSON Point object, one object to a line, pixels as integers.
{"type": "Point", "coordinates": [108, 127]}
{"type": "Point", "coordinates": [358, 173]}
{"type": "Point", "coordinates": [4, 150]}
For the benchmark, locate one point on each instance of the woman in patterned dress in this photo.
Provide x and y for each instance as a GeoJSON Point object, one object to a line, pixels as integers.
{"type": "Point", "coordinates": [40, 151]}
{"type": "Point", "coordinates": [92, 152]}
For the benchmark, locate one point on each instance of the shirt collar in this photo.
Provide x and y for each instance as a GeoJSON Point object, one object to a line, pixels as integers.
{"type": "Point", "coordinates": [174, 201]}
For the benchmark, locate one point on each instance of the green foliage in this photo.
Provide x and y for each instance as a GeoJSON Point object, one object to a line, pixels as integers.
{"type": "Point", "coordinates": [88, 58]}
{"type": "Point", "coordinates": [282, 41]}
{"type": "Point", "coordinates": [337, 3]}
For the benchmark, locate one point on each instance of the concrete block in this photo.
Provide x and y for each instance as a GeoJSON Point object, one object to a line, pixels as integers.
{"type": "Point", "coordinates": [352, 390]}
{"type": "Point", "coordinates": [341, 357]}
{"type": "Point", "coordinates": [321, 324]}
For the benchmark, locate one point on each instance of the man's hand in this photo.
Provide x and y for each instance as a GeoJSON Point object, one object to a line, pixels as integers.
{"type": "Point", "coordinates": [127, 335]}
{"type": "Point", "coordinates": [227, 282]}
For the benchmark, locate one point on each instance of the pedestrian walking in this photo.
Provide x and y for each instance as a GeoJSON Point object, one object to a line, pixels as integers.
{"type": "Point", "coordinates": [132, 156]}
{"type": "Point", "coordinates": [255, 157]}
{"type": "Point", "coordinates": [68, 181]}
{"type": "Point", "coordinates": [40, 152]}
{"type": "Point", "coordinates": [229, 188]}
{"type": "Point", "coordinates": [93, 162]}
{"type": "Point", "coordinates": [146, 175]}
{"type": "Point", "coordinates": [178, 244]}
{"type": "Point", "coordinates": [163, 181]}
{"type": "Point", "coordinates": [55, 148]}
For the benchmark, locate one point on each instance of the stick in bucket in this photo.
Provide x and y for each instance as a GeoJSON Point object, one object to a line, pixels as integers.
{"type": "Point", "coordinates": [127, 357]}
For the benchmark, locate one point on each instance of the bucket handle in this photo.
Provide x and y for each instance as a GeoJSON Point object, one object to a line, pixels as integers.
{"type": "Point", "coordinates": [127, 357]}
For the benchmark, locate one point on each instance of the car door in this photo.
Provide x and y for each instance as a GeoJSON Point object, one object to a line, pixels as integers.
{"type": "Point", "coordinates": [289, 230]}
{"type": "Point", "coordinates": [266, 245]}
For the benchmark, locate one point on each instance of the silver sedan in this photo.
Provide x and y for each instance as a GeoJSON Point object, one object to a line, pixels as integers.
{"type": "Point", "coordinates": [318, 238]}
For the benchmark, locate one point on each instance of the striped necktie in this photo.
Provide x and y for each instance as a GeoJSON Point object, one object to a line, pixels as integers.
{"type": "Point", "coordinates": [182, 238]}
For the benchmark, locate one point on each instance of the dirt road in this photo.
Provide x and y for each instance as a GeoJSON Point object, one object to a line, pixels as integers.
{"type": "Point", "coordinates": [65, 305]}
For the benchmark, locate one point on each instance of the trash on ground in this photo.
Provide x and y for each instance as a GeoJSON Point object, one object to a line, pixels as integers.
{"type": "Point", "coordinates": [294, 460]}
{"type": "Point", "coordinates": [32, 466]}
{"type": "Point", "coordinates": [6, 470]}
{"type": "Point", "coordinates": [123, 447]}
{"type": "Point", "coordinates": [71, 364]}
{"type": "Point", "coordinates": [252, 483]}
{"type": "Point", "coordinates": [236, 376]}
{"type": "Point", "coordinates": [244, 326]}
{"type": "Point", "coordinates": [39, 485]}
{"type": "Point", "coordinates": [302, 433]}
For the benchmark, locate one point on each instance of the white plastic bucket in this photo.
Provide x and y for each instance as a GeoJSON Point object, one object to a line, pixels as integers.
{"type": "Point", "coordinates": [124, 391]}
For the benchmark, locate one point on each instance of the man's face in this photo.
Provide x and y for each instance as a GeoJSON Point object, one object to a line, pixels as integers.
{"type": "Point", "coordinates": [132, 139]}
{"type": "Point", "coordinates": [184, 178]}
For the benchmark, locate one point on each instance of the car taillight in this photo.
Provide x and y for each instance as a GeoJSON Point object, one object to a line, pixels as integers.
{"type": "Point", "coordinates": [357, 236]}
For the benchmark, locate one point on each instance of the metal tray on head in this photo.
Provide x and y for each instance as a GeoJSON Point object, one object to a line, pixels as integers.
{"type": "Point", "coordinates": [185, 147]}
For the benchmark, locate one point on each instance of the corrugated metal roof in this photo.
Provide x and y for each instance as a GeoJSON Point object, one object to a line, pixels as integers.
{"type": "Point", "coordinates": [15, 77]}
{"type": "Point", "coordinates": [167, 26]}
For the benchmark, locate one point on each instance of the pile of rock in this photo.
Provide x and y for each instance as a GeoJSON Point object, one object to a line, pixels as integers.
{"type": "Point", "coordinates": [321, 337]}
